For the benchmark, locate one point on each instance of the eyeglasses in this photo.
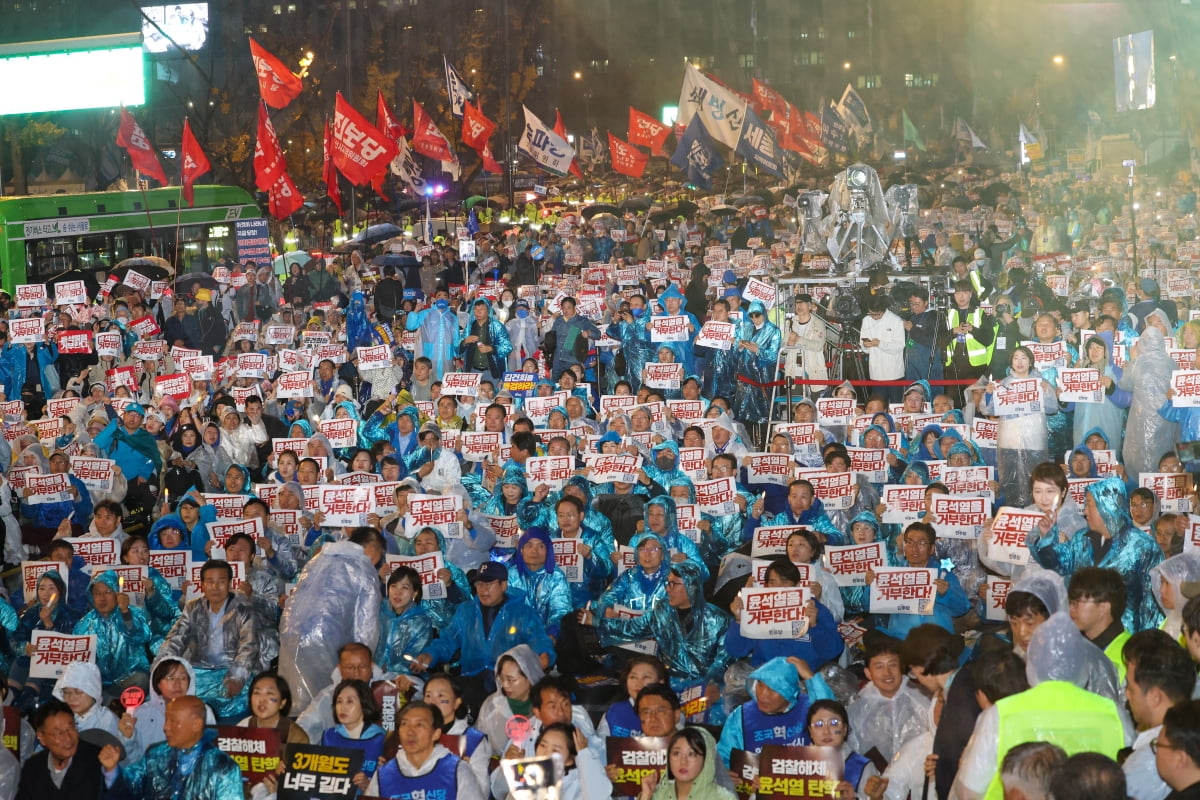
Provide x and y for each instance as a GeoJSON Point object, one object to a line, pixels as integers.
{"type": "Point", "coordinates": [1155, 744]}
{"type": "Point", "coordinates": [834, 724]}
{"type": "Point", "coordinates": [675, 584]}
{"type": "Point", "coordinates": [651, 548]}
{"type": "Point", "coordinates": [655, 711]}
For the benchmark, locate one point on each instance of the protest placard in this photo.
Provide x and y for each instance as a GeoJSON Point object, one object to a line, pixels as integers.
{"type": "Point", "coordinates": [1080, 386]}
{"type": "Point", "coordinates": [53, 651]}
{"type": "Point", "coordinates": [849, 563]}
{"type": "Point", "coordinates": [550, 471]}
{"type": "Point", "coordinates": [634, 758]}
{"type": "Point", "coordinates": [958, 516]}
{"type": "Point", "coordinates": [1010, 534]}
{"type": "Point", "coordinates": [313, 772]}
{"type": "Point", "coordinates": [429, 567]}
{"type": "Point", "coordinates": [791, 772]}
{"type": "Point", "coordinates": [717, 335]}
{"type": "Point", "coordinates": [461, 384]}
{"type": "Point", "coordinates": [669, 328]}
{"type": "Point", "coordinates": [717, 497]}
{"type": "Point", "coordinates": [437, 511]}
{"type": "Point", "coordinates": [903, 503]}
{"type": "Point", "coordinates": [1019, 398]}
{"type": "Point", "coordinates": [997, 593]}
{"type": "Point", "coordinates": [256, 751]}
{"type": "Point", "coordinates": [774, 612]}
{"type": "Point", "coordinates": [346, 506]}
{"type": "Point", "coordinates": [903, 590]}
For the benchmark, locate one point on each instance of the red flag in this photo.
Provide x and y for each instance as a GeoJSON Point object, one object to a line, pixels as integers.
{"type": "Point", "coordinates": [489, 162]}
{"type": "Point", "coordinates": [560, 128]}
{"type": "Point", "coordinates": [360, 150]}
{"type": "Point", "coordinates": [276, 83]}
{"type": "Point", "coordinates": [195, 163]}
{"type": "Point", "coordinates": [476, 128]}
{"type": "Point", "coordinates": [386, 121]}
{"type": "Point", "coordinates": [284, 199]}
{"type": "Point", "coordinates": [329, 172]}
{"type": "Point", "coordinates": [145, 160]}
{"type": "Point", "coordinates": [626, 159]}
{"type": "Point", "coordinates": [269, 162]}
{"type": "Point", "coordinates": [765, 98]}
{"type": "Point", "coordinates": [427, 139]}
{"type": "Point", "coordinates": [748, 98]}
{"type": "Point", "coordinates": [646, 131]}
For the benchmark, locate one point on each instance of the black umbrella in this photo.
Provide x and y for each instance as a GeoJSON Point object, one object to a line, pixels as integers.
{"type": "Point", "coordinates": [188, 284]}
{"type": "Point", "coordinates": [747, 199]}
{"type": "Point", "coordinates": [723, 211]}
{"type": "Point", "coordinates": [147, 265]}
{"type": "Point", "coordinates": [599, 208]}
{"type": "Point", "coordinates": [991, 192]}
{"type": "Point", "coordinates": [89, 280]}
{"type": "Point", "coordinates": [636, 203]}
{"type": "Point", "coordinates": [152, 271]}
{"type": "Point", "coordinates": [377, 233]}
{"type": "Point", "coordinates": [683, 208]}
{"type": "Point", "coordinates": [959, 201]}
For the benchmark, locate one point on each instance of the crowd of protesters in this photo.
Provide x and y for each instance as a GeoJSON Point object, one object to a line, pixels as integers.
{"type": "Point", "coordinates": [347, 482]}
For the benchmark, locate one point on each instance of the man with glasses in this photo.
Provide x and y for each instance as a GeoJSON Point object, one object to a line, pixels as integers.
{"type": "Point", "coordinates": [950, 599]}
{"type": "Point", "coordinates": [1177, 750]}
{"type": "Point", "coordinates": [216, 635]}
{"type": "Point", "coordinates": [65, 767]}
{"type": "Point", "coordinates": [1159, 675]}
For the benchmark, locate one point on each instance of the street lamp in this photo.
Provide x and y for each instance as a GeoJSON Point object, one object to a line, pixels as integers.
{"type": "Point", "coordinates": [1058, 60]}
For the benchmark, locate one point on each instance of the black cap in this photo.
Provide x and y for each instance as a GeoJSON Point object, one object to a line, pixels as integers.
{"type": "Point", "coordinates": [491, 571]}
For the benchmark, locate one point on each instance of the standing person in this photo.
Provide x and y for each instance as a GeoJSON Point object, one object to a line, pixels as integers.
{"type": "Point", "coordinates": [807, 333]}
{"type": "Point", "coordinates": [924, 327]}
{"type": "Point", "coordinates": [1160, 674]}
{"type": "Point", "coordinates": [757, 347]}
{"type": "Point", "coordinates": [570, 333]}
{"type": "Point", "coordinates": [439, 333]}
{"type": "Point", "coordinates": [1021, 439]}
{"type": "Point", "coordinates": [973, 336]}
{"type": "Point", "coordinates": [248, 299]}
{"type": "Point", "coordinates": [1148, 376]}
{"type": "Point", "coordinates": [1177, 750]}
{"type": "Point", "coordinates": [485, 347]}
{"type": "Point", "coordinates": [210, 323]}
{"type": "Point", "coordinates": [883, 337]}
{"type": "Point", "coordinates": [321, 283]}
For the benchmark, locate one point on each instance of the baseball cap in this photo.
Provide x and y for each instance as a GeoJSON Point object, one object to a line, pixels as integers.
{"type": "Point", "coordinates": [204, 294]}
{"type": "Point", "coordinates": [803, 297]}
{"type": "Point", "coordinates": [430, 427]}
{"type": "Point", "coordinates": [1149, 286]}
{"type": "Point", "coordinates": [491, 571]}
{"type": "Point", "coordinates": [136, 408]}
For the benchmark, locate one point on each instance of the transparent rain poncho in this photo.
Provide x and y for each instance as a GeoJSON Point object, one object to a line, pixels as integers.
{"type": "Point", "coordinates": [1148, 376]}
{"type": "Point", "coordinates": [1168, 576]}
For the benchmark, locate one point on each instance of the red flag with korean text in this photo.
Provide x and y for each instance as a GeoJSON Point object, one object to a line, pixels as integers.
{"type": "Point", "coordinates": [489, 161]}
{"type": "Point", "coordinates": [268, 155]}
{"type": "Point", "coordinates": [329, 172]}
{"type": "Point", "coordinates": [386, 121]}
{"type": "Point", "coordinates": [476, 128]}
{"type": "Point", "coordinates": [626, 159]}
{"type": "Point", "coordinates": [427, 139]}
{"type": "Point", "coordinates": [560, 128]}
{"type": "Point", "coordinates": [283, 198]}
{"type": "Point", "coordinates": [145, 160]}
{"type": "Point", "coordinates": [646, 131]}
{"type": "Point", "coordinates": [277, 84]}
{"type": "Point", "coordinates": [195, 163]}
{"type": "Point", "coordinates": [765, 98]}
{"type": "Point", "coordinates": [360, 150]}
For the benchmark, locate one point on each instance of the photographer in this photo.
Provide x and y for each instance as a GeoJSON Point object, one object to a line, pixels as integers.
{"type": "Point", "coordinates": [923, 327]}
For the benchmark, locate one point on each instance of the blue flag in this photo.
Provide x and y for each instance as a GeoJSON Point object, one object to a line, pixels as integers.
{"type": "Point", "coordinates": [697, 155]}
{"type": "Point", "coordinates": [473, 222]}
{"type": "Point", "coordinates": [834, 132]}
{"type": "Point", "coordinates": [759, 146]}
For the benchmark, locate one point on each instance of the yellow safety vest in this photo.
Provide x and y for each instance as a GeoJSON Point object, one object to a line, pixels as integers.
{"type": "Point", "coordinates": [977, 354]}
{"type": "Point", "coordinates": [1075, 719]}
{"type": "Point", "coordinates": [1113, 651]}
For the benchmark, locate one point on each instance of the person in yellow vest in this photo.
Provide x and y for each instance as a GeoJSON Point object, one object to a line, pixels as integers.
{"type": "Point", "coordinates": [1160, 674]}
{"type": "Point", "coordinates": [972, 336]}
{"type": "Point", "coordinates": [1097, 601]}
{"type": "Point", "coordinates": [1054, 709]}
{"type": "Point", "coordinates": [1177, 750]}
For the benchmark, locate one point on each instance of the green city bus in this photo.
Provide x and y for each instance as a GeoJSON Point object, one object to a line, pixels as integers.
{"type": "Point", "coordinates": [44, 235]}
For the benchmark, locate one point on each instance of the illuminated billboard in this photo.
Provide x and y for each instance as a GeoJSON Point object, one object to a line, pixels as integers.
{"type": "Point", "coordinates": [69, 79]}
{"type": "Point", "coordinates": [1133, 63]}
{"type": "Point", "coordinates": [179, 24]}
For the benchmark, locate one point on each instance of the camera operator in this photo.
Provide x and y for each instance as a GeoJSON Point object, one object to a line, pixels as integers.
{"type": "Point", "coordinates": [923, 326]}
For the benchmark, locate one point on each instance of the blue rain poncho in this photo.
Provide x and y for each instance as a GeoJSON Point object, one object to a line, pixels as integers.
{"type": "Point", "coordinates": [1108, 415]}
{"type": "Point", "coordinates": [689, 641]}
{"type": "Point", "coordinates": [441, 609]}
{"type": "Point", "coordinates": [635, 588]}
{"type": "Point", "coordinates": [439, 336]}
{"type": "Point", "coordinates": [546, 589]}
{"type": "Point", "coordinates": [675, 541]}
{"type": "Point", "coordinates": [814, 518]}
{"type": "Point", "coordinates": [496, 335]}
{"type": "Point", "coordinates": [515, 623]}
{"type": "Point", "coordinates": [720, 368]}
{"type": "Point", "coordinates": [121, 639]}
{"type": "Point", "coordinates": [201, 771]}
{"type": "Point", "coordinates": [1132, 553]}
{"type": "Point", "coordinates": [402, 637]}
{"type": "Point", "coordinates": [820, 645]}
{"type": "Point", "coordinates": [685, 350]}
{"type": "Point", "coordinates": [749, 729]}
{"type": "Point", "coordinates": [635, 346]}
{"type": "Point", "coordinates": [756, 370]}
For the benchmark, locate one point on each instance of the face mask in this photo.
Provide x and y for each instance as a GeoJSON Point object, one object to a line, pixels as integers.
{"type": "Point", "coordinates": [522, 313]}
{"type": "Point", "coordinates": [441, 305]}
{"type": "Point", "coordinates": [637, 312]}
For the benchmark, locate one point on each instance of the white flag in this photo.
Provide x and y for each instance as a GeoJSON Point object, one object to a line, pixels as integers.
{"type": "Point", "coordinates": [456, 89]}
{"type": "Point", "coordinates": [543, 145]}
{"type": "Point", "coordinates": [722, 112]}
{"type": "Point", "coordinates": [404, 166]}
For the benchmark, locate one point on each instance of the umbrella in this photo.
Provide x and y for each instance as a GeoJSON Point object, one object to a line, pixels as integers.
{"type": "Point", "coordinates": [395, 260]}
{"type": "Point", "coordinates": [473, 199]}
{"type": "Point", "coordinates": [283, 263]}
{"type": "Point", "coordinates": [993, 191]}
{"type": "Point", "coordinates": [377, 233]}
{"type": "Point", "coordinates": [146, 265]}
{"type": "Point", "coordinates": [88, 278]}
{"type": "Point", "coordinates": [960, 202]}
{"type": "Point", "coordinates": [747, 199]}
{"type": "Point", "coordinates": [151, 271]}
{"type": "Point", "coordinates": [636, 203]}
{"type": "Point", "coordinates": [598, 208]}
{"type": "Point", "coordinates": [498, 200]}
{"type": "Point", "coordinates": [723, 211]}
{"type": "Point", "coordinates": [188, 284]}
{"type": "Point", "coordinates": [606, 219]}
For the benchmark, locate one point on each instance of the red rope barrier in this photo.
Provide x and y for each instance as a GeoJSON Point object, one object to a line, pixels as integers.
{"type": "Point", "coordinates": [812, 382]}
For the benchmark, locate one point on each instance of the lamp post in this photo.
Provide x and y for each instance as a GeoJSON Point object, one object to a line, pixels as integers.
{"type": "Point", "coordinates": [431, 191]}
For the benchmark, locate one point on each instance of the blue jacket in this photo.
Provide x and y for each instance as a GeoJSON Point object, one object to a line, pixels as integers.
{"type": "Point", "coordinates": [635, 588]}
{"type": "Point", "coordinates": [546, 589]}
{"type": "Point", "coordinates": [783, 679]}
{"type": "Point", "coordinates": [49, 515]}
{"type": "Point", "coordinates": [120, 640]}
{"type": "Point", "coordinates": [515, 623]}
{"type": "Point", "coordinates": [819, 646]}
{"type": "Point", "coordinates": [401, 635]}
{"type": "Point", "coordinates": [16, 364]}
{"type": "Point", "coordinates": [164, 774]}
{"type": "Point", "coordinates": [136, 453]}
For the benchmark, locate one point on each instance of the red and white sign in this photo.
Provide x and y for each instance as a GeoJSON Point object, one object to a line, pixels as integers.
{"type": "Point", "coordinates": [429, 567]}
{"type": "Point", "coordinates": [985, 432]}
{"type": "Point", "coordinates": [280, 334]}
{"type": "Point", "coordinates": [687, 519]}
{"type": "Point", "coordinates": [717, 335]}
{"type": "Point", "coordinates": [1186, 386]}
{"type": "Point", "coordinates": [27, 331]}
{"type": "Point", "coordinates": [294, 384]}
{"type": "Point", "coordinates": [616, 402]}
{"type": "Point", "coordinates": [774, 613]}
{"type": "Point", "coordinates": [108, 343]}
{"type": "Point", "coordinates": [773, 468]}
{"type": "Point", "coordinates": [771, 540]}
{"type": "Point", "coordinates": [149, 350]}
{"type": "Point", "coordinates": [145, 326]}
{"type": "Point", "coordinates": [997, 594]}
{"type": "Point", "coordinates": [340, 432]}
{"type": "Point", "coordinates": [461, 384]}
{"type": "Point", "coordinates": [74, 341]}
{"type": "Point", "coordinates": [1019, 398]}
{"type": "Point", "coordinates": [802, 434]}
{"type": "Point", "coordinates": [669, 328]}
{"type": "Point", "coordinates": [220, 532]}
{"type": "Point", "coordinates": [226, 506]}
{"type": "Point", "coordinates": [869, 461]}
{"type": "Point", "coordinates": [478, 445]}
{"type": "Point", "coordinates": [31, 295]}
{"type": "Point", "coordinates": [1009, 541]}
{"type": "Point", "coordinates": [717, 497]}
{"type": "Point", "coordinates": [253, 365]}
{"type": "Point", "coordinates": [295, 360]}
{"type": "Point", "coordinates": [903, 590]}
{"type": "Point", "coordinates": [610, 468]}
{"type": "Point", "coordinates": [246, 331]}
{"type": "Point", "coordinates": [375, 357]}
{"type": "Point", "coordinates": [136, 280]}
{"type": "Point", "coordinates": [550, 471]}
{"type": "Point", "coordinates": [173, 565]}
{"type": "Point", "coordinates": [52, 488]}
{"type": "Point", "coordinates": [48, 428]}
{"type": "Point", "coordinates": [178, 385]}
{"type": "Point", "coordinates": [691, 462]}
{"type": "Point", "coordinates": [975, 481]}
{"type": "Point", "coordinates": [686, 411]}
{"type": "Point", "coordinates": [758, 290]}
{"type": "Point", "coordinates": [1173, 490]}
{"type": "Point", "coordinates": [296, 446]}
{"type": "Point", "coordinates": [506, 529]}
{"type": "Point", "coordinates": [1080, 386]}
{"type": "Point", "coordinates": [437, 511]}
{"type": "Point", "coordinates": [61, 406]}
{"type": "Point", "coordinates": [53, 651]}
{"type": "Point", "coordinates": [835, 410]}
{"type": "Point", "coordinates": [96, 550]}
{"type": "Point", "coordinates": [1049, 354]}
{"type": "Point", "coordinates": [663, 376]}
{"type": "Point", "coordinates": [903, 503]}
{"type": "Point", "coordinates": [70, 293]}
{"type": "Point", "coordinates": [131, 580]}
{"type": "Point", "coordinates": [192, 586]}
{"type": "Point", "coordinates": [835, 489]}
{"type": "Point", "coordinates": [96, 473]}
{"type": "Point", "coordinates": [849, 564]}
{"type": "Point", "coordinates": [346, 506]}
{"type": "Point", "coordinates": [568, 558]}
{"type": "Point", "coordinates": [959, 516]}
{"type": "Point", "coordinates": [539, 408]}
